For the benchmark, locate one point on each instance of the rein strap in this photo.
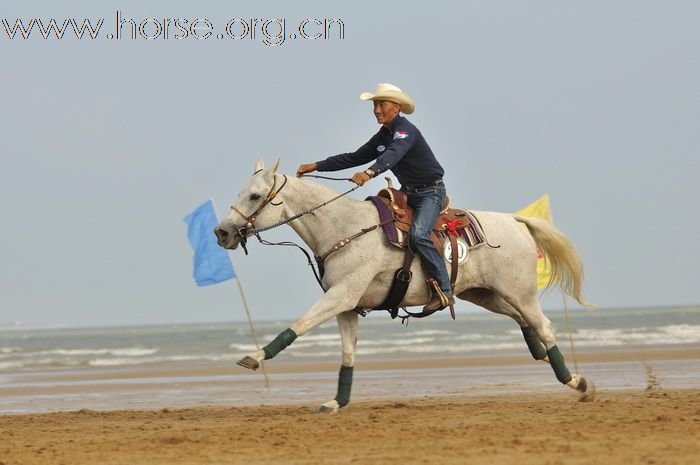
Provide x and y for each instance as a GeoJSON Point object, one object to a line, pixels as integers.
{"type": "Point", "coordinates": [339, 245]}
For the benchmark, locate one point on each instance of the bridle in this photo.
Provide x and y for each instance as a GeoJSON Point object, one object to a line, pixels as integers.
{"type": "Point", "coordinates": [250, 230]}
{"type": "Point", "coordinates": [268, 199]}
{"type": "Point", "coordinates": [249, 227]}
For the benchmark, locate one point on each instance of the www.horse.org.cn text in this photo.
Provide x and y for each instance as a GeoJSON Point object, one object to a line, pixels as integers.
{"type": "Point", "coordinates": [271, 32]}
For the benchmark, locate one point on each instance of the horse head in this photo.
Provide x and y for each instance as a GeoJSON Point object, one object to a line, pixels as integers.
{"type": "Point", "coordinates": [254, 207]}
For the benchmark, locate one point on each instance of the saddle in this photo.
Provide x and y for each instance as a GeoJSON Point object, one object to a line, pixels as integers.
{"type": "Point", "coordinates": [396, 217]}
{"type": "Point", "coordinates": [448, 221]}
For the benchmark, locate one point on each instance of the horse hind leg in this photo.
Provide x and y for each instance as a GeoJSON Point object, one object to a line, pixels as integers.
{"type": "Point", "coordinates": [497, 304]}
{"type": "Point", "coordinates": [531, 312]}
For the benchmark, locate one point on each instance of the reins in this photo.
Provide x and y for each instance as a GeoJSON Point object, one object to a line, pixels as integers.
{"type": "Point", "coordinates": [325, 177]}
{"type": "Point", "coordinates": [305, 212]}
{"type": "Point", "coordinates": [294, 244]}
{"type": "Point", "coordinates": [250, 230]}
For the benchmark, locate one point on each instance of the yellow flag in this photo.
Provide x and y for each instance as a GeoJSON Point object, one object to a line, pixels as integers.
{"type": "Point", "coordinates": [540, 209]}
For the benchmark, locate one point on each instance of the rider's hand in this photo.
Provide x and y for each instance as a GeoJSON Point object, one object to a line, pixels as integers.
{"type": "Point", "coordinates": [306, 168]}
{"type": "Point", "coordinates": [360, 178]}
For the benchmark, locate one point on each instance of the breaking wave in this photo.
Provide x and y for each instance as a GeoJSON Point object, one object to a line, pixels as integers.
{"type": "Point", "coordinates": [126, 347]}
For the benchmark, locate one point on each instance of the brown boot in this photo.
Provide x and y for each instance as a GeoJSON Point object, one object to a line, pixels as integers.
{"type": "Point", "coordinates": [439, 301]}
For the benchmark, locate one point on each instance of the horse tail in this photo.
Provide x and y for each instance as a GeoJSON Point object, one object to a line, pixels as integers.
{"type": "Point", "coordinates": [566, 265]}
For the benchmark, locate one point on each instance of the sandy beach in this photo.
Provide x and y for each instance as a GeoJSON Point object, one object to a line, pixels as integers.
{"type": "Point", "coordinates": [659, 427]}
{"type": "Point", "coordinates": [476, 410]}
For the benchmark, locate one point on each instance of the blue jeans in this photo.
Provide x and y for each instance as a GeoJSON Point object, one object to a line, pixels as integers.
{"type": "Point", "coordinates": [427, 203]}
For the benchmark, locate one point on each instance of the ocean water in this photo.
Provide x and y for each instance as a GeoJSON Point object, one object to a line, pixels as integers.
{"type": "Point", "coordinates": [25, 350]}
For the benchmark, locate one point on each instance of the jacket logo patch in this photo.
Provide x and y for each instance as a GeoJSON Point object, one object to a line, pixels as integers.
{"type": "Point", "coordinates": [381, 148]}
{"type": "Point", "coordinates": [400, 135]}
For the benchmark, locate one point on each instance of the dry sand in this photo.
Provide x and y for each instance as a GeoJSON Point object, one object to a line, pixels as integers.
{"type": "Point", "coordinates": [652, 427]}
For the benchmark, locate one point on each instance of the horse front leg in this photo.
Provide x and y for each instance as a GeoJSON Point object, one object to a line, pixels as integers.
{"type": "Point", "coordinates": [348, 324]}
{"type": "Point", "coordinates": [336, 300]}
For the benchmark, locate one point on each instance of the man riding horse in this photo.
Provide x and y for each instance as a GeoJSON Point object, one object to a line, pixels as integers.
{"type": "Point", "coordinates": [400, 147]}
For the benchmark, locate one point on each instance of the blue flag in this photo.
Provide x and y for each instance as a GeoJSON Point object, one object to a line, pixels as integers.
{"type": "Point", "coordinates": [212, 264]}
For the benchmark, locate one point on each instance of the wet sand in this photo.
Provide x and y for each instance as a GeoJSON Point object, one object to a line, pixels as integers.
{"type": "Point", "coordinates": [475, 410]}
{"type": "Point", "coordinates": [179, 386]}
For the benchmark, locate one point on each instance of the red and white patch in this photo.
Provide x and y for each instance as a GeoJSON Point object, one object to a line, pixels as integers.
{"type": "Point", "coordinates": [400, 134]}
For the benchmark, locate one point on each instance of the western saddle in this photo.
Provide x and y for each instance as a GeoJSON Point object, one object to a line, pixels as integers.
{"type": "Point", "coordinates": [393, 204]}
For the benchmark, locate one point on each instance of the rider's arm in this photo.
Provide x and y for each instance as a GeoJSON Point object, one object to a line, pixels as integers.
{"type": "Point", "coordinates": [364, 154]}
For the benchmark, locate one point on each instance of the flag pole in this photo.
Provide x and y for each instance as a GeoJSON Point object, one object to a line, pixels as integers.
{"type": "Point", "coordinates": [252, 329]}
{"type": "Point", "coordinates": [570, 328]}
{"type": "Point", "coordinates": [245, 305]}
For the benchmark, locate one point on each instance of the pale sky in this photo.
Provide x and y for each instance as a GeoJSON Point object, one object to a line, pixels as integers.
{"type": "Point", "coordinates": [106, 145]}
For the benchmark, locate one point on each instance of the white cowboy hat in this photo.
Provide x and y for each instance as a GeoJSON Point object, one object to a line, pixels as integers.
{"type": "Point", "coordinates": [390, 92]}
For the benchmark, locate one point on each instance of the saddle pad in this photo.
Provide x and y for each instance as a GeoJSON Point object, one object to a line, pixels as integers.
{"type": "Point", "coordinates": [469, 229]}
{"type": "Point", "coordinates": [385, 215]}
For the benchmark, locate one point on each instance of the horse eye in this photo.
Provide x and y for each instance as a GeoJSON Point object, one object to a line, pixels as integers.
{"type": "Point", "coordinates": [254, 197]}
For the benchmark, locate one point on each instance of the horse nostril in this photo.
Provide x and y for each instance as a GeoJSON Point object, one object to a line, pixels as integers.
{"type": "Point", "coordinates": [220, 233]}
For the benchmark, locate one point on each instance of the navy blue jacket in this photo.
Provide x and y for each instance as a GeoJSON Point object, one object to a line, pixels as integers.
{"type": "Point", "coordinates": [400, 147]}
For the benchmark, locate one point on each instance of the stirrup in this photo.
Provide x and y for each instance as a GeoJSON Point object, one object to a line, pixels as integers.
{"type": "Point", "coordinates": [444, 301]}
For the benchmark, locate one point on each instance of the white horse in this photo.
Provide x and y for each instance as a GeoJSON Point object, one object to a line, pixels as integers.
{"type": "Point", "coordinates": [360, 273]}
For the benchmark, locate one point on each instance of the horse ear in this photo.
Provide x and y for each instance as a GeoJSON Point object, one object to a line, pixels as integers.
{"type": "Point", "coordinates": [259, 165]}
{"type": "Point", "coordinates": [275, 166]}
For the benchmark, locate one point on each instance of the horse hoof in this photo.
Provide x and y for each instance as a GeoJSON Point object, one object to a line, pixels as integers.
{"type": "Point", "coordinates": [249, 362]}
{"type": "Point", "coordinates": [588, 395]}
{"type": "Point", "coordinates": [329, 407]}
{"type": "Point", "coordinates": [582, 385]}
{"type": "Point", "coordinates": [327, 410]}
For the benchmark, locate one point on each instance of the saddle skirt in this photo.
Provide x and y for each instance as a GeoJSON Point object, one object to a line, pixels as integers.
{"type": "Point", "coordinates": [392, 204]}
